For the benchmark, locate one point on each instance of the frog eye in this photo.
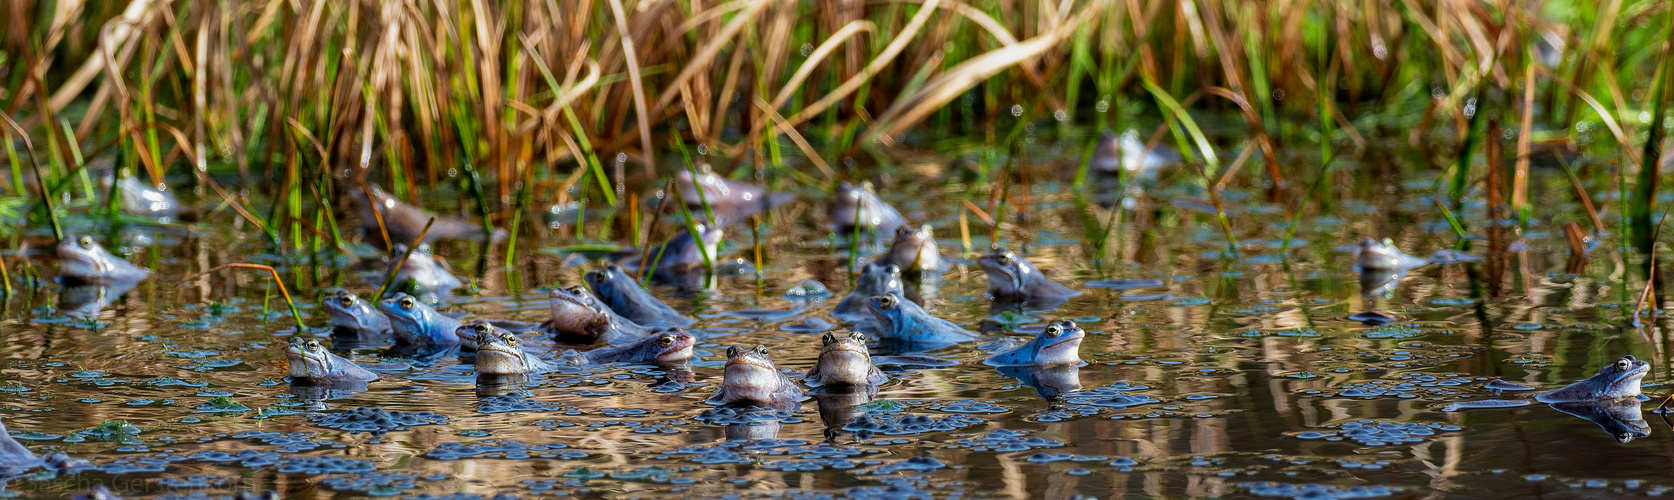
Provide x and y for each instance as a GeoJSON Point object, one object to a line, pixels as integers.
{"type": "Point", "coordinates": [893, 270]}
{"type": "Point", "coordinates": [903, 231]}
{"type": "Point", "coordinates": [761, 350]}
{"type": "Point", "coordinates": [1002, 257]}
{"type": "Point", "coordinates": [509, 339]}
{"type": "Point", "coordinates": [886, 301]}
{"type": "Point", "coordinates": [312, 345]}
{"type": "Point", "coordinates": [599, 276]}
{"type": "Point", "coordinates": [861, 337]}
{"type": "Point", "coordinates": [827, 338]}
{"type": "Point", "coordinates": [1623, 364]}
{"type": "Point", "coordinates": [732, 352]}
{"type": "Point", "coordinates": [1054, 330]}
{"type": "Point", "coordinates": [346, 300]}
{"type": "Point", "coordinates": [575, 290]}
{"type": "Point", "coordinates": [481, 327]}
{"type": "Point", "coordinates": [665, 341]}
{"type": "Point", "coordinates": [1624, 437]}
{"type": "Point", "coordinates": [85, 242]}
{"type": "Point", "coordinates": [408, 303]}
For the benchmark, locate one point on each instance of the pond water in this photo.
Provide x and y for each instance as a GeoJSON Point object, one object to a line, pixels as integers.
{"type": "Point", "coordinates": [1205, 375]}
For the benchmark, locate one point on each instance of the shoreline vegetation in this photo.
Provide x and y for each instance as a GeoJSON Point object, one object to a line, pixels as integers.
{"type": "Point", "coordinates": [552, 103]}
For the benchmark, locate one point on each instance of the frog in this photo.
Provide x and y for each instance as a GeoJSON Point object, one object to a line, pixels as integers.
{"type": "Point", "coordinates": [499, 352]}
{"type": "Point", "coordinates": [874, 280]}
{"type": "Point", "coordinates": [677, 257]}
{"type": "Point", "coordinates": [84, 261]}
{"type": "Point", "coordinates": [14, 458]}
{"type": "Point", "coordinates": [1374, 255]}
{"type": "Point", "coordinates": [1013, 278]}
{"type": "Point", "coordinates": [1057, 344]}
{"type": "Point", "coordinates": [858, 205]}
{"type": "Point", "coordinates": [666, 347]}
{"type": "Point", "coordinates": [580, 318]}
{"type": "Point", "coordinates": [901, 322]}
{"type": "Point", "coordinates": [419, 330]}
{"type": "Point", "coordinates": [311, 364]}
{"type": "Point", "coordinates": [751, 378]}
{"type": "Point", "coordinates": [404, 222]}
{"type": "Point", "coordinates": [617, 290]}
{"type": "Point", "coordinates": [1618, 380]}
{"type": "Point", "coordinates": [844, 361]}
{"type": "Point", "coordinates": [425, 270]}
{"type": "Point", "coordinates": [727, 199]}
{"type": "Point", "coordinates": [914, 251]}
{"type": "Point", "coordinates": [1116, 153]}
{"type": "Point", "coordinates": [349, 312]}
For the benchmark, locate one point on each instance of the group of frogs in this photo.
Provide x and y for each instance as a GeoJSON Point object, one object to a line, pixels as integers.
{"type": "Point", "coordinates": [613, 319]}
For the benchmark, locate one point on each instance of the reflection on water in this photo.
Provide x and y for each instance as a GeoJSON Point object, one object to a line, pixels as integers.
{"type": "Point", "coordinates": [1205, 375]}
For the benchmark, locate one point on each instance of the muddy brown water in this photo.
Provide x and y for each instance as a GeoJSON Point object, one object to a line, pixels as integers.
{"type": "Point", "coordinates": [1224, 377]}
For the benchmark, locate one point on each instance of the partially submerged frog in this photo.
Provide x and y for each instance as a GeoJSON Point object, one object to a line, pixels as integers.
{"type": "Point", "coordinates": [499, 353]}
{"type": "Point", "coordinates": [404, 221]}
{"type": "Point", "coordinates": [1013, 278]}
{"type": "Point", "coordinates": [141, 198]}
{"type": "Point", "coordinates": [349, 312]}
{"type": "Point", "coordinates": [622, 294]}
{"type": "Point", "coordinates": [1058, 344]}
{"type": "Point", "coordinates": [752, 378]}
{"type": "Point", "coordinates": [312, 364]}
{"type": "Point", "coordinates": [82, 260]}
{"type": "Point", "coordinates": [902, 323]}
{"type": "Point", "coordinates": [665, 347]}
{"type": "Point", "coordinates": [859, 206]}
{"type": "Point", "coordinates": [733, 200]}
{"type": "Point", "coordinates": [419, 329]}
{"type": "Point", "coordinates": [1622, 418]}
{"type": "Point", "coordinates": [425, 270]}
{"type": "Point", "coordinates": [579, 318]}
{"type": "Point", "coordinates": [1619, 380]}
{"type": "Point", "coordinates": [914, 250]}
{"type": "Point", "coordinates": [1116, 153]}
{"type": "Point", "coordinates": [14, 458]}
{"type": "Point", "coordinates": [680, 255]}
{"type": "Point", "coordinates": [1375, 255]}
{"type": "Point", "coordinates": [844, 361]}
{"type": "Point", "coordinates": [874, 280]}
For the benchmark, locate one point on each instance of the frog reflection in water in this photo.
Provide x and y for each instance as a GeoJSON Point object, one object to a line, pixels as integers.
{"type": "Point", "coordinates": [1015, 279]}
{"type": "Point", "coordinates": [1618, 380]}
{"type": "Point", "coordinates": [1622, 418]}
{"type": "Point", "coordinates": [752, 378]}
{"type": "Point", "coordinates": [82, 260]}
{"type": "Point", "coordinates": [312, 364]}
{"type": "Point", "coordinates": [844, 362]}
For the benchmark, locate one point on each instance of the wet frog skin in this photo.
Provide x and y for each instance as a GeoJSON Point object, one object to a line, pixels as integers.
{"type": "Point", "coordinates": [1374, 255]}
{"type": "Point", "coordinates": [752, 378]}
{"type": "Point", "coordinates": [14, 458]}
{"type": "Point", "coordinates": [312, 364]}
{"type": "Point", "coordinates": [874, 280]}
{"type": "Point", "coordinates": [500, 353]}
{"type": "Point", "coordinates": [680, 255]}
{"type": "Point", "coordinates": [618, 290]}
{"type": "Point", "coordinates": [900, 321]}
{"type": "Point", "coordinates": [1618, 380]}
{"type": "Point", "coordinates": [729, 199]}
{"type": "Point", "coordinates": [844, 361]}
{"type": "Point", "coordinates": [404, 221]}
{"type": "Point", "coordinates": [82, 260]}
{"type": "Point", "coordinates": [666, 347]}
{"type": "Point", "coordinates": [580, 318]}
{"type": "Point", "coordinates": [1058, 344]}
{"type": "Point", "coordinates": [1013, 278]}
{"type": "Point", "coordinates": [418, 327]}
{"type": "Point", "coordinates": [914, 251]}
{"type": "Point", "coordinates": [1115, 153]}
{"type": "Point", "coordinates": [859, 205]}
{"type": "Point", "coordinates": [349, 312]}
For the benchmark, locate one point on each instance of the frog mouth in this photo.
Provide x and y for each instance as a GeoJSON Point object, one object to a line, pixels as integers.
{"type": "Point", "coordinates": [302, 366]}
